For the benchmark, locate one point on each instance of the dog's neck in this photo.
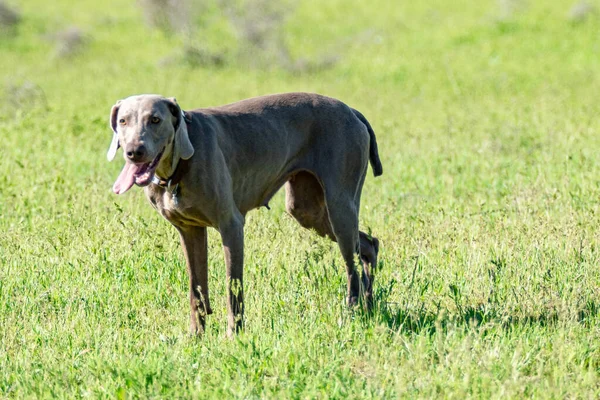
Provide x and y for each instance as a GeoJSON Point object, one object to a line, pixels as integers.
{"type": "Point", "coordinates": [168, 164]}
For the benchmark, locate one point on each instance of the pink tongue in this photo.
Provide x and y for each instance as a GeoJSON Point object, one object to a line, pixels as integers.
{"type": "Point", "coordinates": [126, 178]}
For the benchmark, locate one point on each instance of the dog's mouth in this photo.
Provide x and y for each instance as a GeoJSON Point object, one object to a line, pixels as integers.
{"type": "Point", "coordinates": [140, 174]}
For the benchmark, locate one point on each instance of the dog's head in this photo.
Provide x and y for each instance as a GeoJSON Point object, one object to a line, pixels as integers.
{"type": "Point", "coordinates": [152, 131]}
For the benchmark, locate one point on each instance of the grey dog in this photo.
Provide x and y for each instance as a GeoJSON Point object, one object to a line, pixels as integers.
{"type": "Point", "coordinates": [210, 166]}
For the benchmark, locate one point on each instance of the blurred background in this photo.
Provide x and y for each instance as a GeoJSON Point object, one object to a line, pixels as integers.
{"type": "Point", "coordinates": [226, 50]}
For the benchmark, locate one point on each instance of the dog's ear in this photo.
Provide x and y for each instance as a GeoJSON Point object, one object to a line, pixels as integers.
{"type": "Point", "coordinates": [182, 146]}
{"type": "Point", "coordinates": [114, 145]}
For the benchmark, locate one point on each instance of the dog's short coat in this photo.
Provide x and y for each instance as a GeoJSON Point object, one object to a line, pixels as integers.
{"type": "Point", "coordinates": [211, 166]}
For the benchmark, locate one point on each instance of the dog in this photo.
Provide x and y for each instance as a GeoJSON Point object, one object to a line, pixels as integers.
{"type": "Point", "coordinates": [210, 166]}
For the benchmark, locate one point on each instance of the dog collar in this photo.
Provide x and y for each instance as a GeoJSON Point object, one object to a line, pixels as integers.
{"type": "Point", "coordinates": [171, 184]}
{"type": "Point", "coordinates": [183, 166]}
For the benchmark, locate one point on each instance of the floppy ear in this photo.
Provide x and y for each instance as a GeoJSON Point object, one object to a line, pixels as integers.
{"type": "Point", "coordinates": [114, 145]}
{"type": "Point", "coordinates": [182, 147]}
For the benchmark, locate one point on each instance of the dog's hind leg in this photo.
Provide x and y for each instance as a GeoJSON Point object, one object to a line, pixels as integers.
{"type": "Point", "coordinates": [305, 201]}
{"type": "Point", "coordinates": [344, 222]}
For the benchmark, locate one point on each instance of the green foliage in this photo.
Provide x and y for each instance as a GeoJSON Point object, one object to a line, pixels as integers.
{"type": "Point", "coordinates": [487, 212]}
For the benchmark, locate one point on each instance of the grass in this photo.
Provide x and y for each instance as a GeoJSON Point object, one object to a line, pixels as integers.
{"type": "Point", "coordinates": [487, 212]}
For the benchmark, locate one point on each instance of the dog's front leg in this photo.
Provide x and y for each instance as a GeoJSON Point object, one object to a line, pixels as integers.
{"type": "Point", "coordinates": [232, 234]}
{"type": "Point", "coordinates": [194, 243]}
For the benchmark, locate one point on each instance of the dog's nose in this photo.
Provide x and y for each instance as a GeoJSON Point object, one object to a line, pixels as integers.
{"type": "Point", "coordinates": [136, 153]}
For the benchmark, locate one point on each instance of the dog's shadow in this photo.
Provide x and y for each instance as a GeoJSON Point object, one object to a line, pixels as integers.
{"type": "Point", "coordinates": [407, 319]}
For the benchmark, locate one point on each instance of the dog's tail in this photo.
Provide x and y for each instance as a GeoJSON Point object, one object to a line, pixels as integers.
{"type": "Point", "coordinates": [373, 152]}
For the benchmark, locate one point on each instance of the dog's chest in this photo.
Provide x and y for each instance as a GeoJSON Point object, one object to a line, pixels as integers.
{"type": "Point", "coordinates": [178, 209]}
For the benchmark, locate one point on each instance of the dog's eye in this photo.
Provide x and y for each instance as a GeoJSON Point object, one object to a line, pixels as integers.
{"type": "Point", "coordinates": [155, 120]}
{"type": "Point", "coordinates": [122, 121]}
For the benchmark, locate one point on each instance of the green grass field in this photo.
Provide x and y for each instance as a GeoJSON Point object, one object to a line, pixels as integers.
{"type": "Point", "coordinates": [488, 213]}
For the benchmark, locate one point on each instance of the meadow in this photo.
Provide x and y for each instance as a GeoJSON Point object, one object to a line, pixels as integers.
{"type": "Point", "coordinates": [487, 118]}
